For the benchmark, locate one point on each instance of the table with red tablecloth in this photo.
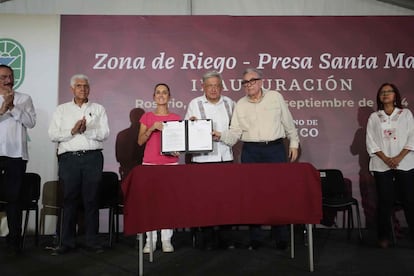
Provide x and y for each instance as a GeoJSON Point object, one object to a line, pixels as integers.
{"type": "Point", "coordinates": [180, 196]}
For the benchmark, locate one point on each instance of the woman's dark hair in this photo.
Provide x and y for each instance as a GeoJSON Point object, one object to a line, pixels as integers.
{"type": "Point", "coordinates": [397, 101]}
{"type": "Point", "coordinates": [163, 84]}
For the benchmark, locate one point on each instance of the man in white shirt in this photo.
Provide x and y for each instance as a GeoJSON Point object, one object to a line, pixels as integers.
{"type": "Point", "coordinates": [16, 115]}
{"type": "Point", "coordinates": [80, 127]}
{"type": "Point", "coordinates": [218, 108]}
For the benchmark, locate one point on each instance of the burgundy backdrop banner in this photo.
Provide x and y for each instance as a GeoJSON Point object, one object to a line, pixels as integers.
{"type": "Point", "coordinates": [327, 68]}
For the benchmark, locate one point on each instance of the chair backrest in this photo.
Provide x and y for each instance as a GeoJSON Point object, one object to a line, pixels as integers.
{"type": "Point", "coordinates": [31, 188]}
{"type": "Point", "coordinates": [109, 189]}
{"type": "Point", "coordinates": [52, 195]}
{"type": "Point", "coordinates": [333, 183]}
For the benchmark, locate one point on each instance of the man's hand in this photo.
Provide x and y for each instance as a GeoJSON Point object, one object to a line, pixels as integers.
{"type": "Point", "coordinates": [79, 127]}
{"type": "Point", "coordinates": [3, 108]}
{"type": "Point", "coordinates": [293, 154]}
{"type": "Point", "coordinates": [216, 135]}
{"type": "Point", "coordinates": [8, 96]}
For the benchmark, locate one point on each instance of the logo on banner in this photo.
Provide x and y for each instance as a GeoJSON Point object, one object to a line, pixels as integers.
{"type": "Point", "coordinates": [12, 54]}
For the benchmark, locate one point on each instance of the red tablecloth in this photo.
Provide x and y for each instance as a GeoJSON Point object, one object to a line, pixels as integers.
{"type": "Point", "coordinates": [162, 197]}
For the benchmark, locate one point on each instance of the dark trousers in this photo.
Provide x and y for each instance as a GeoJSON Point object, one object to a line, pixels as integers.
{"type": "Point", "coordinates": [11, 183]}
{"type": "Point", "coordinates": [266, 153]}
{"type": "Point", "coordinates": [81, 175]}
{"type": "Point", "coordinates": [394, 185]}
{"type": "Point", "coordinates": [214, 237]}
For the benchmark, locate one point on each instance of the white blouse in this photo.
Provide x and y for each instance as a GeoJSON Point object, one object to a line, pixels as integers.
{"type": "Point", "coordinates": [390, 134]}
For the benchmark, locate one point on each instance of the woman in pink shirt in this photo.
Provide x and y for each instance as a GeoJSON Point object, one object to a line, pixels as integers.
{"type": "Point", "coordinates": [150, 134]}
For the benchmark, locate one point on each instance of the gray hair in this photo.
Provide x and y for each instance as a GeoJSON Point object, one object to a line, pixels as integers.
{"type": "Point", "coordinates": [212, 74]}
{"type": "Point", "coordinates": [254, 70]}
{"type": "Point", "coordinates": [78, 77]}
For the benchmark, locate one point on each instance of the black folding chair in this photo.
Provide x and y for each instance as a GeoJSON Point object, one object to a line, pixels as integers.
{"type": "Point", "coordinates": [336, 197]}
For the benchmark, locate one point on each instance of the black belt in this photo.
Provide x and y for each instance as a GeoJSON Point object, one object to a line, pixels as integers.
{"type": "Point", "coordinates": [264, 143]}
{"type": "Point", "coordinates": [79, 152]}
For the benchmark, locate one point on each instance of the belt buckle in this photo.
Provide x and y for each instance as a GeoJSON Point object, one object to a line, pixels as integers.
{"type": "Point", "coordinates": [79, 153]}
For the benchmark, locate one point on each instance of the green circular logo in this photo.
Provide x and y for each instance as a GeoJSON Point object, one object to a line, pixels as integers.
{"type": "Point", "coordinates": [12, 54]}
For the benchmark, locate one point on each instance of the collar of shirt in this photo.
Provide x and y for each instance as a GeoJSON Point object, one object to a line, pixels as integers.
{"type": "Point", "coordinates": [84, 104]}
{"type": "Point", "coordinates": [207, 101]}
{"type": "Point", "coordinates": [259, 99]}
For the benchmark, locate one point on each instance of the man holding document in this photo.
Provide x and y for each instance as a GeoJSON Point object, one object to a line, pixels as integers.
{"type": "Point", "coordinates": [262, 120]}
{"type": "Point", "coordinates": [217, 108]}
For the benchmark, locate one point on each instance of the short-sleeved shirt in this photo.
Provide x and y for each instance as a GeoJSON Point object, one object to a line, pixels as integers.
{"type": "Point", "coordinates": [152, 152]}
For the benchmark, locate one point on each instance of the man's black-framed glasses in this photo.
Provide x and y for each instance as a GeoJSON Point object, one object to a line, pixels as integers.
{"type": "Point", "coordinates": [247, 83]}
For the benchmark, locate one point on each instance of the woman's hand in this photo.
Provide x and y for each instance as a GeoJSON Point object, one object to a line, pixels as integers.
{"type": "Point", "coordinates": [156, 126]}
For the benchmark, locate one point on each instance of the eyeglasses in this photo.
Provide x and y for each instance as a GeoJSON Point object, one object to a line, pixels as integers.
{"type": "Point", "coordinates": [386, 92]}
{"type": "Point", "coordinates": [247, 83]}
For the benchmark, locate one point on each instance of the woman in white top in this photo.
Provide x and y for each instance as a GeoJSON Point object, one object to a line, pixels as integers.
{"type": "Point", "coordinates": [390, 144]}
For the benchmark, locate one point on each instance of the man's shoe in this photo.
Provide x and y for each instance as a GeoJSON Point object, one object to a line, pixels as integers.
{"type": "Point", "coordinates": [211, 246]}
{"type": "Point", "coordinates": [231, 246]}
{"type": "Point", "coordinates": [147, 249]}
{"type": "Point", "coordinates": [383, 244]}
{"type": "Point", "coordinates": [62, 250]}
{"type": "Point", "coordinates": [254, 245]}
{"type": "Point", "coordinates": [167, 247]}
{"type": "Point", "coordinates": [227, 245]}
{"type": "Point", "coordinates": [13, 247]}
